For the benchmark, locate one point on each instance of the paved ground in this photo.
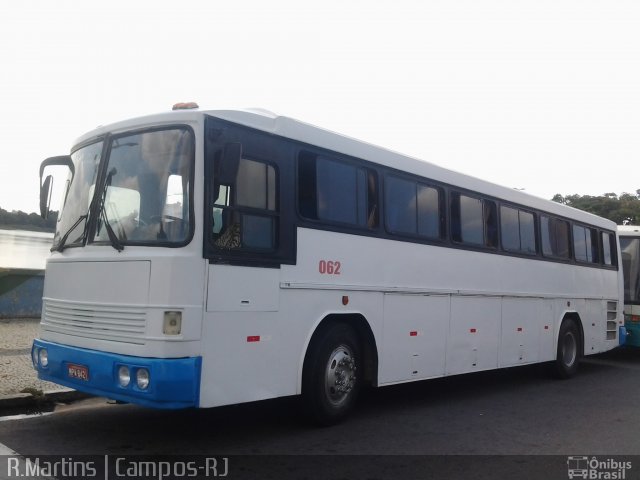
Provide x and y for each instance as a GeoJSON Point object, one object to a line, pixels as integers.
{"type": "Point", "coordinates": [507, 424]}
{"type": "Point", "coordinates": [16, 371]}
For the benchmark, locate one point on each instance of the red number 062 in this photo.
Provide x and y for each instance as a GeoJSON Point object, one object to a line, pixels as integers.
{"type": "Point", "coordinates": [328, 267]}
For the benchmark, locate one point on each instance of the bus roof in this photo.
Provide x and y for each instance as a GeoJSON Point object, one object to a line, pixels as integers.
{"type": "Point", "coordinates": [287, 127]}
{"type": "Point", "coordinates": [629, 230]}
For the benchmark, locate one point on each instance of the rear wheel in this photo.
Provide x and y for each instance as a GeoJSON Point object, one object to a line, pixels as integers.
{"type": "Point", "coordinates": [331, 375]}
{"type": "Point", "coordinates": [569, 348]}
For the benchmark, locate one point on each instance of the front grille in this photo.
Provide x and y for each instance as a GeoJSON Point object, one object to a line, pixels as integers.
{"type": "Point", "coordinates": [103, 322]}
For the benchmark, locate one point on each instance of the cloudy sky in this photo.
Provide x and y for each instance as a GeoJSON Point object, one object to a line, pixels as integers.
{"type": "Point", "coordinates": [538, 95]}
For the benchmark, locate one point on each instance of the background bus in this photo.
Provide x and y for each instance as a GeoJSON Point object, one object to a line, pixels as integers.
{"type": "Point", "coordinates": [630, 251]}
{"type": "Point", "coordinates": [207, 258]}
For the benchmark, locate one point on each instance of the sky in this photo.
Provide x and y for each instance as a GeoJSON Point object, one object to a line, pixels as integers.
{"type": "Point", "coordinates": [539, 95]}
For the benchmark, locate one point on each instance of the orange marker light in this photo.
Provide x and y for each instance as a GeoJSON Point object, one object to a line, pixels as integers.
{"type": "Point", "coordinates": [185, 106]}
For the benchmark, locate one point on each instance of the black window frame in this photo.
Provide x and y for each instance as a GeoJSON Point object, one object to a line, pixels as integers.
{"type": "Point", "coordinates": [613, 251]}
{"type": "Point", "coordinates": [292, 216]}
{"type": "Point", "coordinates": [243, 211]}
{"type": "Point", "coordinates": [372, 201]}
{"type": "Point", "coordinates": [262, 147]}
{"type": "Point", "coordinates": [598, 249]}
{"type": "Point", "coordinates": [489, 213]}
{"type": "Point", "coordinates": [417, 183]}
{"type": "Point", "coordinates": [519, 211]}
{"type": "Point", "coordinates": [569, 257]}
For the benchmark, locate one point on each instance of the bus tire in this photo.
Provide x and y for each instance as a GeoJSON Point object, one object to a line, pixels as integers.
{"type": "Point", "coordinates": [568, 353]}
{"type": "Point", "coordinates": [332, 374]}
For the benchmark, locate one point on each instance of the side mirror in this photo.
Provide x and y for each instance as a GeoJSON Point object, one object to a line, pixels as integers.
{"type": "Point", "coordinates": [45, 197]}
{"type": "Point", "coordinates": [45, 187]}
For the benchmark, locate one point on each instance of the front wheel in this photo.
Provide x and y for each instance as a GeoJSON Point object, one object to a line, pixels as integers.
{"type": "Point", "coordinates": [332, 374]}
{"type": "Point", "coordinates": [568, 353]}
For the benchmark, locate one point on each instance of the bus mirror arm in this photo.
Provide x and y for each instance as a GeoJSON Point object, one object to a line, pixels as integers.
{"type": "Point", "coordinates": [45, 197]}
{"type": "Point", "coordinates": [45, 187]}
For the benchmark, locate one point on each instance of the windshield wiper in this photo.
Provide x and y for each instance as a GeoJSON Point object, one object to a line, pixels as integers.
{"type": "Point", "coordinates": [113, 238]}
{"type": "Point", "coordinates": [62, 243]}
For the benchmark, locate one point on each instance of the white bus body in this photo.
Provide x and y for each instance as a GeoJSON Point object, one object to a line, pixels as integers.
{"type": "Point", "coordinates": [630, 260]}
{"type": "Point", "coordinates": [294, 260]}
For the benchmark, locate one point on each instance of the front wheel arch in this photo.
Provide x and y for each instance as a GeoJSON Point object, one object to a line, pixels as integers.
{"type": "Point", "coordinates": [357, 328]}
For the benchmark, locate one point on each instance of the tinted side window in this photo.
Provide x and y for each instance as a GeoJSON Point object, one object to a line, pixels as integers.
{"type": "Point", "coordinates": [336, 191]}
{"type": "Point", "coordinates": [585, 244]}
{"type": "Point", "coordinates": [466, 219]}
{"type": "Point", "coordinates": [473, 221]}
{"type": "Point", "coordinates": [555, 237]}
{"type": "Point", "coordinates": [609, 248]}
{"type": "Point", "coordinates": [510, 229]}
{"type": "Point", "coordinates": [517, 230]}
{"type": "Point", "coordinates": [428, 211]}
{"type": "Point", "coordinates": [593, 250]}
{"type": "Point", "coordinates": [527, 232]}
{"type": "Point", "coordinates": [579, 243]}
{"type": "Point", "coordinates": [335, 185]}
{"type": "Point", "coordinates": [412, 208]}
{"type": "Point", "coordinates": [400, 205]}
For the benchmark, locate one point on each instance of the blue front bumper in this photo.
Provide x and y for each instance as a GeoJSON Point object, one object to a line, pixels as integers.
{"type": "Point", "coordinates": [174, 382]}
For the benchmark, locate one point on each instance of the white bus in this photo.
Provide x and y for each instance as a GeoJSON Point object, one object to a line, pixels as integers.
{"type": "Point", "coordinates": [630, 251]}
{"type": "Point", "coordinates": [207, 258]}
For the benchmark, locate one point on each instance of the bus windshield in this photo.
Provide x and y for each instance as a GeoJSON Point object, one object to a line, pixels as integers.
{"type": "Point", "coordinates": [71, 227]}
{"type": "Point", "coordinates": [145, 193]}
{"type": "Point", "coordinates": [630, 248]}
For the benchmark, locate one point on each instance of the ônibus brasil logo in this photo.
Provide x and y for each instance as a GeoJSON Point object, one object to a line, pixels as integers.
{"type": "Point", "coordinates": [593, 468]}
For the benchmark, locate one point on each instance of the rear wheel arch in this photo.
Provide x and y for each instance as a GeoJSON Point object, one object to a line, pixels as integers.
{"type": "Point", "coordinates": [569, 346]}
{"type": "Point", "coordinates": [578, 321]}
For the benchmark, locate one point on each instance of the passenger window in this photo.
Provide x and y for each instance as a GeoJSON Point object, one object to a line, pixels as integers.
{"type": "Point", "coordinates": [245, 214]}
{"type": "Point", "coordinates": [517, 229]}
{"type": "Point", "coordinates": [609, 248]}
{"type": "Point", "coordinates": [429, 211]}
{"type": "Point", "coordinates": [527, 232]}
{"type": "Point", "coordinates": [585, 244]}
{"type": "Point", "coordinates": [555, 237]}
{"type": "Point", "coordinates": [473, 220]}
{"type": "Point", "coordinates": [337, 192]}
{"type": "Point", "coordinates": [412, 208]}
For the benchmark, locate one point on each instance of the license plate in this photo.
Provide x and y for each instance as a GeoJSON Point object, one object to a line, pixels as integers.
{"type": "Point", "coordinates": [78, 371]}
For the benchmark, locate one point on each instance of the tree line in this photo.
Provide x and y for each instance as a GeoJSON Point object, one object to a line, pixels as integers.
{"type": "Point", "coordinates": [27, 221]}
{"type": "Point", "coordinates": [623, 209]}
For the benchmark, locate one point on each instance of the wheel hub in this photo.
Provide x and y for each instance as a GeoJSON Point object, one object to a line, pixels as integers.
{"type": "Point", "coordinates": [340, 375]}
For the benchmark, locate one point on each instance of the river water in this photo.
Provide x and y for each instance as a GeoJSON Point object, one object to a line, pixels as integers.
{"type": "Point", "coordinates": [24, 249]}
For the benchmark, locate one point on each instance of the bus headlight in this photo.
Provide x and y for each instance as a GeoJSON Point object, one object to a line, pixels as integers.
{"type": "Point", "coordinates": [142, 378]}
{"type": "Point", "coordinates": [43, 357]}
{"type": "Point", "coordinates": [124, 376]}
{"type": "Point", "coordinates": [172, 323]}
{"type": "Point", "coordinates": [34, 357]}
